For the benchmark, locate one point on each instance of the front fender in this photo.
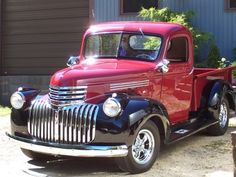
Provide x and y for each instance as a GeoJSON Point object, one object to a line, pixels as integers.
{"type": "Point", "coordinates": [149, 110]}
{"type": "Point", "coordinates": [136, 111]}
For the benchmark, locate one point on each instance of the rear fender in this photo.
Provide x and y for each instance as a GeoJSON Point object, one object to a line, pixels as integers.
{"type": "Point", "coordinates": [219, 90]}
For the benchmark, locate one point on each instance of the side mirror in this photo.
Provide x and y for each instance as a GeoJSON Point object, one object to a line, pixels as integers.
{"type": "Point", "coordinates": [72, 60]}
{"type": "Point", "coordinates": [163, 66]}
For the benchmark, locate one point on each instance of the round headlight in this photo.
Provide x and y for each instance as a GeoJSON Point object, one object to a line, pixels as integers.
{"type": "Point", "coordinates": [112, 107]}
{"type": "Point", "coordinates": [17, 100]}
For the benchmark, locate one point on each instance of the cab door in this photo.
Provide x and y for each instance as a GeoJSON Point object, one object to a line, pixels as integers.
{"type": "Point", "coordinates": [177, 82]}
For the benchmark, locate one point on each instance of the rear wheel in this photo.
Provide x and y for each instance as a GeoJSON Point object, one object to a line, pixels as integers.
{"type": "Point", "coordinates": [223, 117]}
{"type": "Point", "coordinates": [144, 150]}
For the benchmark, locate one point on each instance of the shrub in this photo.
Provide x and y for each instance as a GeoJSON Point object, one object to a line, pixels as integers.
{"type": "Point", "coordinates": [213, 57]}
{"type": "Point", "coordinates": [234, 71]}
{"type": "Point", "coordinates": [234, 61]}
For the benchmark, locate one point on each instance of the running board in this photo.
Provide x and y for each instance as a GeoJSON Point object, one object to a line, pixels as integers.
{"type": "Point", "coordinates": [189, 130]}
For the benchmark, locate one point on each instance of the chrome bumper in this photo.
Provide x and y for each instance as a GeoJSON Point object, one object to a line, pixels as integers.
{"type": "Point", "coordinates": [72, 150]}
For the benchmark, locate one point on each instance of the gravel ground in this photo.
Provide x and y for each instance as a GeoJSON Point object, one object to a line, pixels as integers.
{"type": "Point", "coordinates": [196, 156]}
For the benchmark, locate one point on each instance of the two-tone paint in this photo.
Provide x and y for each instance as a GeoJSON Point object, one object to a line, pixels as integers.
{"type": "Point", "coordinates": [168, 99]}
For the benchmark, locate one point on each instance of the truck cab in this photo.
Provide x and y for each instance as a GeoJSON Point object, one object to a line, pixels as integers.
{"type": "Point", "coordinates": [131, 88]}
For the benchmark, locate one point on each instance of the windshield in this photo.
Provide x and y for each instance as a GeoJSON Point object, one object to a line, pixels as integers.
{"type": "Point", "coordinates": [122, 45]}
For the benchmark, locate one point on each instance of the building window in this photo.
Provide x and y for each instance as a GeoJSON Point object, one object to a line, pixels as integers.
{"type": "Point", "coordinates": [134, 6]}
{"type": "Point", "coordinates": [231, 4]}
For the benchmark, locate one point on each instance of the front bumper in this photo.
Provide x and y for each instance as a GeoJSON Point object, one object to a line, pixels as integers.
{"type": "Point", "coordinates": [70, 150]}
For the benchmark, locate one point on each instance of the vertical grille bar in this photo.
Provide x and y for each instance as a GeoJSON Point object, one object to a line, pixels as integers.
{"type": "Point", "coordinates": [74, 125]}
{"type": "Point", "coordinates": [37, 120]}
{"type": "Point", "coordinates": [51, 125]}
{"type": "Point", "coordinates": [89, 137]}
{"type": "Point", "coordinates": [82, 123]}
{"type": "Point", "coordinates": [94, 122]}
{"type": "Point", "coordinates": [48, 124]}
{"type": "Point", "coordinates": [66, 124]}
{"type": "Point", "coordinates": [79, 124]}
{"type": "Point", "coordinates": [45, 124]}
{"type": "Point", "coordinates": [69, 125]}
{"type": "Point", "coordinates": [42, 121]}
{"type": "Point", "coordinates": [62, 128]}
{"type": "Point", "coordinates": [86, 124]}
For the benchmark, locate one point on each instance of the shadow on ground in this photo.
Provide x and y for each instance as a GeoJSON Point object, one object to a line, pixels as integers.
{"type": "Point", "coordinates": [75, 167]}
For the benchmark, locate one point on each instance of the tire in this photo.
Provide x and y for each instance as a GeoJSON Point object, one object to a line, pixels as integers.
{"type": "Point", "coordinates": [138, 161]}
{"type": "Point", "coordinates": [37, 156]}
{"type": "Point", "coordinates": [223, 116]}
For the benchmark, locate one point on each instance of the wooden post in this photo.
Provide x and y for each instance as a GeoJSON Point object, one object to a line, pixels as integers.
{"type": "Point", "coordinates": [233, 134]}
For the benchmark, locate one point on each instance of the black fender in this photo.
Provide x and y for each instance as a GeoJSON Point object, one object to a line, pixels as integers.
{"type": "Point", "coordinates": [19, 117]}
{"type": "Point", "coordinates": [219, 90]}
{"type": "Point", "coordinates": [146, 110]}
{"type": "Point", "coordinates": [136, 111]}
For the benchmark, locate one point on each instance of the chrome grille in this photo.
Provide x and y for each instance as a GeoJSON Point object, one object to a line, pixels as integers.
{"type": "Point", "coordinates": [69, 125]}
{"type": "Point", "coordinates": [62, 96]}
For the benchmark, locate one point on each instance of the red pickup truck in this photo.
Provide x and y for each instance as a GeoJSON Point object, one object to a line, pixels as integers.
{"type": "Point", "coordinates": [132, 88]}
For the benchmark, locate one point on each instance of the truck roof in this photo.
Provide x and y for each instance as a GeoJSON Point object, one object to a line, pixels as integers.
{"type": "Point", "coordinates": [162, 28]}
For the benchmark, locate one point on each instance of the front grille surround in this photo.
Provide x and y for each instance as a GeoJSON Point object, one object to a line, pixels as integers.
{"type": "Point", "coordinates": [69, 125]}
{"type": "Point", "coordinates": [63, 96]}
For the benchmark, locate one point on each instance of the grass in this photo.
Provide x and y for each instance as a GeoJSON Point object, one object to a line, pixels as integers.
{"type": "Point", "coordinates": [4, 111]}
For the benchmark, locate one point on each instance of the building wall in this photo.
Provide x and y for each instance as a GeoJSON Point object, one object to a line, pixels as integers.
{"type": "Point", "coordinates": [38, 36]}
{"type": "Point", "coordinates": [211, 16]}
{"type": "Point", "coordinates": [109, 10]}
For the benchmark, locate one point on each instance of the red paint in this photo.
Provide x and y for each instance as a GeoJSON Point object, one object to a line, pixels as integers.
{"type": "Point", "coordinates": [179, 89]}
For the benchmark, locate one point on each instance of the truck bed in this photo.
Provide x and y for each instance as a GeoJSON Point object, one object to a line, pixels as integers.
{"type": "Point", "coordinates": [203, 76]}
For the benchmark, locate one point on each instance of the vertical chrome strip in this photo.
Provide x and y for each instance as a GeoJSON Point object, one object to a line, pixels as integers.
{"type": "Point", "coordinates": [45, 123]}
{"type": "Point", "coordinates": [29, 119]}
{"type": "Point", "coordinates": [76, 132]}
{"type": "Point", "coordinates": [70, 124]}
{"type": "Point", "coordinates": [90, 122]}
{"type": "Point", "coordinates": [82, 123]}
{"type": "Point", "coordinates": [49, 124]}
{"type": "Point", "coordinates": [73, 124]}
{"type": "Point", "coordinates": [94, 122]}
{"type": "Point", "coordinates": [51, 128]}
{"type": "Point", "coordinates": [61, 127]}
{"type": "Point", "coordinates": [86, 124]}
{"type": "Point", "coordinates": [37, 119]}
{"type": "Point", "coordinates": [79, 123]}
{"type": "Point", "coordinates": [56, 121]}
{"type": "Point", "coordinates": [42, 121]}
{"type": "Point", "coordinates": [66, 124]}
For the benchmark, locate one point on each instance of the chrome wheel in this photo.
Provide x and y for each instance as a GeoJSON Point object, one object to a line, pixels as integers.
{"type": "Point", "coordinates": [143, 147]}
{"type": "Point", "coordinates": [223, 115]}
{"type": "Point", "coordinates": [144, 150]}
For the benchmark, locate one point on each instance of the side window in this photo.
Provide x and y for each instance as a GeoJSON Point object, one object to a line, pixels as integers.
{"type": "Point", "coordinates": [177, 50]}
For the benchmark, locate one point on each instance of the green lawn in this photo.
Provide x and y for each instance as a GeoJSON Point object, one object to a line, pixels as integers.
{"type": "Point", "coordinates": [4, 111]}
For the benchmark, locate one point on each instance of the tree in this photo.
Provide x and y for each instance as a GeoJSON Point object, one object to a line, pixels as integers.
{"type": "Point", "coordinates": [183, 18]}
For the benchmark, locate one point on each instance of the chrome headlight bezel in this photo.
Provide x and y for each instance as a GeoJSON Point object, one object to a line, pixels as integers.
{"type": "Point", "coordinates": [112, 107]}
{"type": "Point", "coordinates": [17, 100]}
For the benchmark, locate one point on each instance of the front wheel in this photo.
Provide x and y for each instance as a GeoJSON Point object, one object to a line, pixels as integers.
{"type": "Point", "coordinates": [144, 150]}
{"type": "Point", "coordinates": [223, 119]}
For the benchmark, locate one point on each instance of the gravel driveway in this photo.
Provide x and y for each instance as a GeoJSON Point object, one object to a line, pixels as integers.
{"type": "Point", "coordinates": [196, 156]}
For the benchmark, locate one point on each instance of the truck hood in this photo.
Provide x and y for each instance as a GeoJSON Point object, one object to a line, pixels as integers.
{"type": "Point", "coordinates": [100, 71]}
